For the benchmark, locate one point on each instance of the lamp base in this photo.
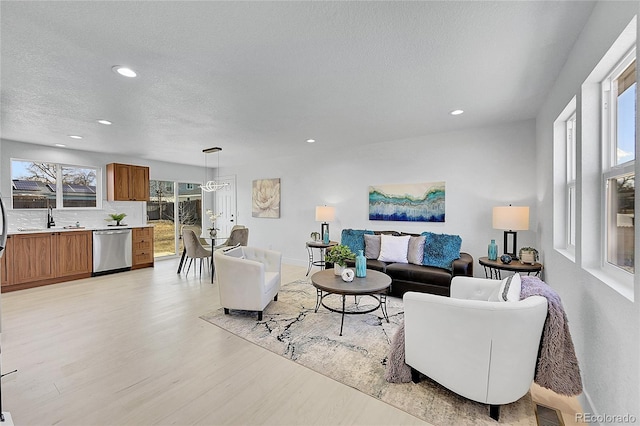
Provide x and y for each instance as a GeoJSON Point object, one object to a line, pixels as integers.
{"type": "Point", "coordinates": [324, 228]}
{"type": "Point", "coordinates": [514, 239]}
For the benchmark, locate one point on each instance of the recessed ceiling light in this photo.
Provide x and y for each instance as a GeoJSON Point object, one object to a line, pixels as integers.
{"type": "Point", "coordinates": [127, 72]}
{"type": "Point", "coordinates": [456, 112]}
{"type": "Point", "coordinates": [311, 140]}
{"type": "Point", "coordinates": [105, 122]}
{"type": "Point", "coordinates": [61, 145]}
{"type": "Point", "coordinates": [75, 137]}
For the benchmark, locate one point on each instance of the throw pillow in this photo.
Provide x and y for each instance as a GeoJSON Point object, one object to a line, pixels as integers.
{"type": "Point", "coordinates": [371, 246]}
{"type": "Point", "coordinates": [394, 249]}
{"type": "Point", "coordinates": [416, 250]}
{"type": "Point", "coordinates": [440, 250]}
{"type": "Point", "coordinates": [510, 289]}
{"type": "Point", "coordinates": [354, 239]}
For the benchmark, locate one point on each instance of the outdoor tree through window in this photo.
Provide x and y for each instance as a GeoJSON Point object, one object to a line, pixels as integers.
{"type": "Point", "coordinates": [41, 185]}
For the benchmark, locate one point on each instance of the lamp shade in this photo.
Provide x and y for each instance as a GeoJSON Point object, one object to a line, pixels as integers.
{"type": "Point", "coordinates": [512, 218]}
{"type": "Point", "coordinates": [325, 214]}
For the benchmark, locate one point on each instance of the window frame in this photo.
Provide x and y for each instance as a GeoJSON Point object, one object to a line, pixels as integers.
{"type": "Point", "coordinates": [570, 189]}
{"type": "Point", "coordinates": [566, 180]}
{"type": "Point", "coordinates": [59, 193]}
{"type": "Point", "coordinates": [610, 167]}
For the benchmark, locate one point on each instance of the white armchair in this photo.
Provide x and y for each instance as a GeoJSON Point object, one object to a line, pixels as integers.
{"type": "Point", "coordinates": [248, 278]}
{"type": "Point", "coordinates": [483, 351]}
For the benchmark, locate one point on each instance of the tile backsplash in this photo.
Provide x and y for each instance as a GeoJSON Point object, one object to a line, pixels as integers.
{"type": "Point", "coordinates": [23, 218]}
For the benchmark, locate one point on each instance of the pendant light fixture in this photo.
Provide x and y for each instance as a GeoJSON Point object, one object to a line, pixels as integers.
{"type": "Point", "coordinates": [212, 185]}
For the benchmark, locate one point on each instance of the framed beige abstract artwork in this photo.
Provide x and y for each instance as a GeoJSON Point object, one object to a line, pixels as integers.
{"type": "Point", "coordinates": [266, 198]}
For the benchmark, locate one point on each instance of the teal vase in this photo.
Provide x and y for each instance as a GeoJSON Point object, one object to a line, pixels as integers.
{"type": "Point", "coordinates": [325, 237]}
{"type": "Point", "coordinates": [361, 265]}
{"type": "Point", "coordinates": [493, 250]}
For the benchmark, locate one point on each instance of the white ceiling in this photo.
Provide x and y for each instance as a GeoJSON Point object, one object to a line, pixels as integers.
{"type": "Point", "coordinates": [259, 78]}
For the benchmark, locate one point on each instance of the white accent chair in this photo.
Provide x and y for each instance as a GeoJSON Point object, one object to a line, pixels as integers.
{"type": "Point", "coordinates": [483, 351]}
{"type": "Point", "coordinates": [248, 277]}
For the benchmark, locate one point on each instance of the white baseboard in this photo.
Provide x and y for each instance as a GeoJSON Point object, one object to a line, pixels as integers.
{"type": "Point", "coordinates": [8, 421]}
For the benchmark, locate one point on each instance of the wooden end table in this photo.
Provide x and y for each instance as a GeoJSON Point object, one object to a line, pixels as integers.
{"type": "Point", "coordinates": [493, 268]}
{"type": "Point", "coordinates": [375, 284]}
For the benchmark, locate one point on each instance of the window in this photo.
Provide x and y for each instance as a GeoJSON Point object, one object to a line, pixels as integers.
{"type": "Point", "coordinates": [38, 185]}
{"type": "Point", "coordinates": [564, 177]}
{"type": "Point", "coordinates": [570, 138]}
{"type": "Point", "coordinates": [618, 176]}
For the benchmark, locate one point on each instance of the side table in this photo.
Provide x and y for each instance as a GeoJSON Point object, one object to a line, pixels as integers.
{"type": "Point", "coordinates": [493, 268]}
{"type": "Point", "coordinates": [323, 247]}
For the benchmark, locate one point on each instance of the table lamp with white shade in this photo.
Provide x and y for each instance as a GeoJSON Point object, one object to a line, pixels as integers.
{"type": "Point", "coordinates": [511, 219]}
{"type": "Point", "coordinates": [325, 214]}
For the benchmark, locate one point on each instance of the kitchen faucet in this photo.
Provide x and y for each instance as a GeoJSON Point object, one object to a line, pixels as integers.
{"type": "Point", "coordinates": [50, 222]}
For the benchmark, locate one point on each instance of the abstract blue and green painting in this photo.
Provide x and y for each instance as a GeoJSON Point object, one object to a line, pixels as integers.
{"type": "Point", "coordinates": [414, 202]}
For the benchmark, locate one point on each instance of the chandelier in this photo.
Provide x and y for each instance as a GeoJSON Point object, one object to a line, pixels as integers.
{"type": "Point", "coordinates": [212, 185]}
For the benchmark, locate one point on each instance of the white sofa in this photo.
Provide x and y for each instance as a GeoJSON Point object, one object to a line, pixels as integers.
{"type": "Point", "coordinates": [484, 351]}
{"type": "Point", "coordinates": [248, 278]}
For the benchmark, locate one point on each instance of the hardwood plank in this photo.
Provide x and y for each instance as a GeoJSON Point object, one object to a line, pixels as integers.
{"type": "Point", "coordinates": [130, 348]}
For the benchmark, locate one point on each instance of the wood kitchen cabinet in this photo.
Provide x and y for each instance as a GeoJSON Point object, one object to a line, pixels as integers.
{"type": "Point", "coordinates": [142, 243]}
{"type": "Point", "coordinates": [32, 260]}
{"type": "Point", "coordinates": [75, 253]}
{"type": "Point", "coordinates": [126, 182]}
{"type": "Point", "coordinates": [3, 262]}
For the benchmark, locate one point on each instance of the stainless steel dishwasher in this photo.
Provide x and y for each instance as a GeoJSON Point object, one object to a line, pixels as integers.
{"type": "Point", "coordinates": [111, 251]}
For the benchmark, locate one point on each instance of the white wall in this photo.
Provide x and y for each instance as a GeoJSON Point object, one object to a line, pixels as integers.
{"type": "Point", "coordinates": [482, 168]}
{"type": "Point", "coordinates": [604, 324]}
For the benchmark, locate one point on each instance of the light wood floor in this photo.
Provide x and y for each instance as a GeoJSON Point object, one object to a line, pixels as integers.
{"type": "Point", "coordinates": [130, 349]}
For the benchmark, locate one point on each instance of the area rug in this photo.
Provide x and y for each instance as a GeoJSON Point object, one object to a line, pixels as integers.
{"type": "Point", "coordinates": [292, 329]}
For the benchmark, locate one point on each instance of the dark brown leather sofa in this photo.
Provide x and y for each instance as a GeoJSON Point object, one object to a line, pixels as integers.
{"type": "Point", "coordinates": [425, 279]}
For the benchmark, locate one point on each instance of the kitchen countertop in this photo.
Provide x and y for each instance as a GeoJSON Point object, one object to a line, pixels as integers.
{"type": "Point", "coordinates": [34, 230]}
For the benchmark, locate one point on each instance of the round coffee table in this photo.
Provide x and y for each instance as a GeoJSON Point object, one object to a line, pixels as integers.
{"type": "Point", "coordinates": [375, 284]}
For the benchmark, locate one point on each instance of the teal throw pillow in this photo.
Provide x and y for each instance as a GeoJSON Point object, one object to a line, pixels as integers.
{"type": "Point", "coordinates": [440, 250]}
{"type": "Point", "coordinates": [354, 239]}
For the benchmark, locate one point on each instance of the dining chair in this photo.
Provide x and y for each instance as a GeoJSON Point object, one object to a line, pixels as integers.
{"type": "Point", "coordinates": [194, 249]}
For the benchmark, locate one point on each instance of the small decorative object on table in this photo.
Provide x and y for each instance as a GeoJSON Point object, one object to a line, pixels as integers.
{"type": "Point", "coordinates": [325, 237]}
{"type": "Point", "coordinates": [338, 255]}
{"type": "Point", "coordinates": [361, 265]}
{"type": "Point", "coordinates": [213, 231]}
{"type": "Point", "coordinates": [505, 258]}
{"type": "Point", "coordinates": [493, 250]}
{"type": "Point", "coordinates": [315, 236]}
{"type": "Point", "coordinates": [347, 275]}
{"type": "Point", "coordinates": [117, 217]}
{"type": "Point", "coordinates": [528, 255]}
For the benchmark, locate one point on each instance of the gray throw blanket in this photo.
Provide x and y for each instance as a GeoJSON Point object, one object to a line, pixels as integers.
{"type": "Point", "coordinates": [557, 367]}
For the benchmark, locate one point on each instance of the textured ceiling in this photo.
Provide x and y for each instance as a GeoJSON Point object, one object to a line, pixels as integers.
{"type": "Point", "coordinates": [259, 78]}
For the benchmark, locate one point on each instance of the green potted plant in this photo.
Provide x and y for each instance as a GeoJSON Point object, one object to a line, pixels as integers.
{"type": "Point", "coordinates": [117, 217]}
{"type": "Point", "coordinates": [338, 255]}
{"type": "Point", "coordinates": [528, 255]}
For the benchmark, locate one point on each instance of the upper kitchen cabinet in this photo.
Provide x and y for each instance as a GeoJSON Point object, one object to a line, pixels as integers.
{"type": "Point", "coordinates": [126, 182]}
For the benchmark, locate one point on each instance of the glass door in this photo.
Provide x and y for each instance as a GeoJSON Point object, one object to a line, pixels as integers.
{"type": "Point", "coordinates": [189, 208]}
{"type": "Point", "coordinates": [160, 214]}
